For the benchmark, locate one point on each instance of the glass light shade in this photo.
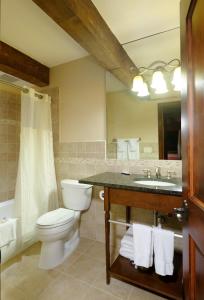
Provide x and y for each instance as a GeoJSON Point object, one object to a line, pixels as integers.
{"type": "Point", "coordinates": [143, 92]}
{"type": "Point", "coordinates": [158, 83]}
{"type": "Point", "coordinates": [161, 89]}
{"type": "Point", "coordinates": [157, 79]}
{"type": "Point", "coordinates": [176, 81]}
{"type": "Point", "coordinates": [137, 83]}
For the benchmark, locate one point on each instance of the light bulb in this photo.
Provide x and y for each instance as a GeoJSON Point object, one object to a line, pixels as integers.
{"type": "Point", "coordinates": [137, 83]}
{"type": "Point", "coordinates": [143, 92]}
{"type": "Point", "coordinates": [176, 81]}
{"type": "Point", "coordinates": [161, 89]}
{"type": "Point", "coordinates": [158, 83]}
{"type": "Point", "coordinates": [157, 79]}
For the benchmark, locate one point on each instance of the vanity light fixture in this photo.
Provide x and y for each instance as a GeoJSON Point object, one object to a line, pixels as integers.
{"type": "Point", "coordinates": [158, 83]}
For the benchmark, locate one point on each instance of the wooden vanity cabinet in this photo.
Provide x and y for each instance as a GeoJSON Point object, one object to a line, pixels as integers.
{"type": "Point", "coordinates": [167, 286]}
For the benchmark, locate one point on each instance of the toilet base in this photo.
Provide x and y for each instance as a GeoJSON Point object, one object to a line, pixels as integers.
{"type": "Point", "coordinates": [54, 253]}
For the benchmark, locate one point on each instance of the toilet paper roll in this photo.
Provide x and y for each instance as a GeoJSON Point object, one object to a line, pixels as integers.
{"type": "Point", "coordinates": [101, 195]}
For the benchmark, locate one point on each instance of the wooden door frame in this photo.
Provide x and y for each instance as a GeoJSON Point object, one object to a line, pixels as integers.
{"type": "Point", "coordinates": [185, 113]}
{"type": "Point", "coordinates": [196, 207]}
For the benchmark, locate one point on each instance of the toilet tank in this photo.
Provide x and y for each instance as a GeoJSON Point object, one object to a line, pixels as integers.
{"type": "Point", "coordinates": [75, 195]}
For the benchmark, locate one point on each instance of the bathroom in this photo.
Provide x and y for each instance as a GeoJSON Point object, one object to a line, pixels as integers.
{"type": "Point", "coordinates": [82, 149]}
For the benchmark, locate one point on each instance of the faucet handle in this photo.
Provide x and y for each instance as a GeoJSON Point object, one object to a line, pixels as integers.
{"type": "Point", "coordinates": [170, 173]}
{"type": "Point", "coordinates": [158, 172]}
{"type": "Point", "coordinates": [147, 173]}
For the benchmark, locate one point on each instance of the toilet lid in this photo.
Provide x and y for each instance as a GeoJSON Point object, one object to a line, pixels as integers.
{"type": "Point", "coordinates": [56, 217]}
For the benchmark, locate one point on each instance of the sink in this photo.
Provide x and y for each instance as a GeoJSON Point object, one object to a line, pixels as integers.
{"type": "Point", "coordinates": [154, 183]}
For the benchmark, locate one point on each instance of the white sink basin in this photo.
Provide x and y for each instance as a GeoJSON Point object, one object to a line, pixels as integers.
{"type": "Point", "coordinates": [154, 183]}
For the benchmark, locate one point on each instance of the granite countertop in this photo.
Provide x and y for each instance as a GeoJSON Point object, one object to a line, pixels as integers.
{"type": "Point", "coordinates": [121, 181]}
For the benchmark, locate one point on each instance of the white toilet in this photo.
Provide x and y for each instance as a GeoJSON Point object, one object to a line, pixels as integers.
{"type": "Point", "coordinates": [59, 229]}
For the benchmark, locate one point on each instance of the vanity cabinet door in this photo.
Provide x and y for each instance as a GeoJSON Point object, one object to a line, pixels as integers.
{"type": "Point", "coordinates": [192, 49]}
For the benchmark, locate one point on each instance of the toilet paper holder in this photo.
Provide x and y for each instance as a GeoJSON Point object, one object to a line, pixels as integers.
{"type": "Point", "coordinates": [101, 195]}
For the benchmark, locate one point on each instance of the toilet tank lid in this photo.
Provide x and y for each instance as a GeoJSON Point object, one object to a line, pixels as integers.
{"type": "Point", "coordinates": [75, 184]}
{"type": "Point", "coordinates": [56, 217]}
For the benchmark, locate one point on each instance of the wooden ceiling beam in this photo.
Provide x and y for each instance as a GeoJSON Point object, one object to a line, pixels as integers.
{"type": "Point", "coordinates": [82, 21]}
{"type": "Point", "coordinates": [20, 65]}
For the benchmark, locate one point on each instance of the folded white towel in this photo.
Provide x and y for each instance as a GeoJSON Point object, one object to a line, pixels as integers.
{"type": "Point", "coordinates": [127, 240]}
{"type": "Point", "coordinates": [143, 245]}
{"type": "Point", "coordinates": [163, 251]}
{"type": "Point", "coordinates": [7, 232]}
{"type": "Point", "coordinates": [126, 253]}
{"type": "Point", "coordinates": [127, 248]}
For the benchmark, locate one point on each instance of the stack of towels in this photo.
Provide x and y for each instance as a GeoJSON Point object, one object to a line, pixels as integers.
{"type": "Point", "coordinates": [142, 244]}
{"type": "Point", "coordinates": [126, 248]}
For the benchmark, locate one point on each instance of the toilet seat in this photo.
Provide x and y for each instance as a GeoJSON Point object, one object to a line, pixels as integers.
{"type": "Point", "coordinates": [55, 218]}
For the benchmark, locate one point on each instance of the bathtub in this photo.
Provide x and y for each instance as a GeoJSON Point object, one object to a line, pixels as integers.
{"type": "Point", "coordinates": [7, 212]}
{"type": "Point", "coordinates": [7, 209]}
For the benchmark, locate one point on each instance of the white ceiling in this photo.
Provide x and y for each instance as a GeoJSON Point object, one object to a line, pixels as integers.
{"type": "Point", "coordinates": [26, 27]}
{"type": "Point", "coordinates": [133, 19]}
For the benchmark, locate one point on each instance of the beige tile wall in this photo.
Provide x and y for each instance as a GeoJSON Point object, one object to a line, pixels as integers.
{"type": "Point", "coordinates": [82, 150]}
{"type": "Point", "coordinates": [9, 142]}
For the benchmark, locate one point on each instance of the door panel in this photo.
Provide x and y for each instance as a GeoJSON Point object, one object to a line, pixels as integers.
{"type": "Point", "coordinates": [192, 46]}
{"type": "Point", "coordinates": [198, 72]}
{"type": "Point", "coordinates": [199, 272]}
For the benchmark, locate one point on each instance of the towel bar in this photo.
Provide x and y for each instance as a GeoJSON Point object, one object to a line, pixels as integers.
{"type": "Point", "coordinates": [129, 224]}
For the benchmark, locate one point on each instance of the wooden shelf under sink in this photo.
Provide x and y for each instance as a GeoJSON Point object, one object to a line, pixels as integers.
{"type": "Point", "coordinates": [166, 286]}
{"type": "Point", "coordinates": [169, 287]}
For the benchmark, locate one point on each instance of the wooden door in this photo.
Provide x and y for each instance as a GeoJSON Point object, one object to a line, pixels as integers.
{"type": "Point", "coordinates": [192, 49]}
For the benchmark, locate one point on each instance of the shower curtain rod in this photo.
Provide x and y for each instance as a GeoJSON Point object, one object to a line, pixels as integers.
{"type": "Point", "coordinates": [23, 89]}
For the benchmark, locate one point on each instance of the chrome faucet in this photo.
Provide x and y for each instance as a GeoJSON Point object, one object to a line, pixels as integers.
{"type": "Point", "coordinates": [158, 172]}
{"type": "Point", "coordinates": [170, 173]}
{"type": "Point", "coordinates": [147, 173]}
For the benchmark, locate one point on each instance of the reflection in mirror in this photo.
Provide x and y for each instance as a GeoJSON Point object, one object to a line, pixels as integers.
{"type": "Point", "coordinates": [145, 127]}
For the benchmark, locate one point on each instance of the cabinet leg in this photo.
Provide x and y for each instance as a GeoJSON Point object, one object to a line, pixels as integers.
{"type": "Point", "coordinates": [128, 215]}
{"type": "Point", "coordinates": [107, 235]}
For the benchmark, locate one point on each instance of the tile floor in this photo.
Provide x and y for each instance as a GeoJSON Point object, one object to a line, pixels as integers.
{"type": "Point", "coordinates": [81, 277]}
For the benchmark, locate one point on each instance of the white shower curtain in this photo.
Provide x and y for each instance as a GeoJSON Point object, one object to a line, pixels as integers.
{"type": "Point", "coordinates": [36, 188]}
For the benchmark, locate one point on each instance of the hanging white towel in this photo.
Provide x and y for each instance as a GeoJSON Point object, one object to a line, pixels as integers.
{"type": "Point", "coordinates": [7, 232]}
{"type": "Point", "coordinates": [133, 149]}
{"type": "Point", "coordinates": [129, 232]}
{"type": "Point", "coordinates": [143, 245]}
{"type": "Point", "coordinates": [122, 149]}
{"type": "Point", "coordinates": [163, 251]}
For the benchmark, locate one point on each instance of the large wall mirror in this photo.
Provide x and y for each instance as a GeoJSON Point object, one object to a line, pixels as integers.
{"type": "Point", "coordinates": [145, 127]}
